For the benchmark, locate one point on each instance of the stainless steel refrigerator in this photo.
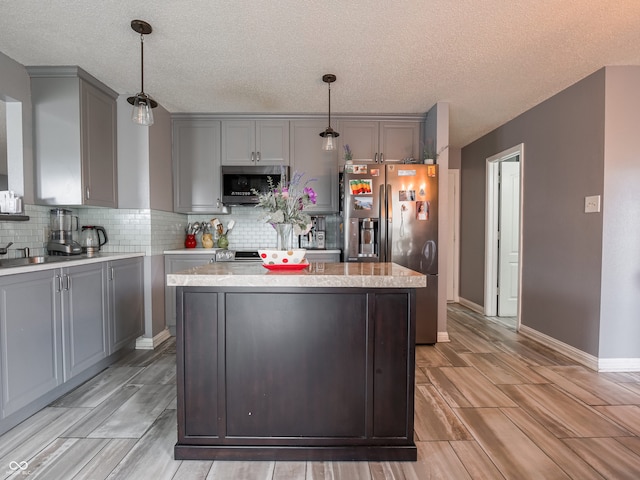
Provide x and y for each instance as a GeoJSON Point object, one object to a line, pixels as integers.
{"type": "Point", "coordinates": [390, 214]}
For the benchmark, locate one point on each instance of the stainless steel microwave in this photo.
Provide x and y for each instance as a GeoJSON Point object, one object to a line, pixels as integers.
{"type": "Point", "coordinates": [239, 182]}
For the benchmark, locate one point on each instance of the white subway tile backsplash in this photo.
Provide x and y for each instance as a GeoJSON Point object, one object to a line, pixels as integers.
{"type": "Point", "coordinates": [129, 230]}
{"type": "Point", "coordinates": [145, 230]}
{"type": "Point", "coordinates": [248, 233]}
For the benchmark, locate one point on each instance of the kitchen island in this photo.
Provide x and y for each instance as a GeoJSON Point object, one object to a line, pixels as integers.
{"type": "Point", "coordinates": [316, 364]}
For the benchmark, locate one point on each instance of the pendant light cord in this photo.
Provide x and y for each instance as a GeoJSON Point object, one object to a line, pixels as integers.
{"type": "Point", "coordinates": [329, 104]}
{"type": "Point", "coordinates": [141, 63]}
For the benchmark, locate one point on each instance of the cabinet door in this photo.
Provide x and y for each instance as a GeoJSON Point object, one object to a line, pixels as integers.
{"type": "Point", "coordinates": [30, 339]}
{"type": "Point", "coordinates": [84, 317]}
{"type": "Point", "coordinates": [399, 140]}
{"type": "Point", "coordinates": [238, 142]}
{"type": "Point", "coordinates": [173, 264]}
{"type": "Point", "coordinates": [196, 166]}
{"type": "Point", "coordinates": [362, 138]}
{"type": "Point", "coordinates": [272, 142]}
{"type": "Point", "coordinates": [393, 363]}
{"type": "Point", "coordinates": [126, 302]}
{"type": "Point", "coordinates": [249, 142]}
{"type": "Point", "coordinates": [309, 158]}
{"type": "Point", "coordinates": [98, 133]}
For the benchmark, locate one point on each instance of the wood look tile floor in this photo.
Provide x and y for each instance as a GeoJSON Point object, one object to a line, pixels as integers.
{"type": "Point", "coordinates": [489, 405]}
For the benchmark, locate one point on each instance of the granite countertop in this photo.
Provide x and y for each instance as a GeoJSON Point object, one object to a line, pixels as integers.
{"type": "Point", "coordinates": [63, 261]}
{"type": "Point", "coordinates": [317, 274]}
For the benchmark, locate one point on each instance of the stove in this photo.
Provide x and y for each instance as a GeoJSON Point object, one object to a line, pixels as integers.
{"type": "Point", "coordinates": [247, 256]}
{"type": "Point", "coordinates": [237, 256]}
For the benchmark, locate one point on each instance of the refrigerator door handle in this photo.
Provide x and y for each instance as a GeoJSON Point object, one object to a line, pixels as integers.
{"type": "Point", "coordinates": [388, 205]}
{"type": "Point", "coordinates": [382, 224]}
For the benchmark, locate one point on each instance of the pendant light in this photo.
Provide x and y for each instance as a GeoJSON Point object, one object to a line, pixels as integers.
{"type": "Point", "coordinates": [142, 103]}
{"type": "Point", "coordinates": [329, 134]}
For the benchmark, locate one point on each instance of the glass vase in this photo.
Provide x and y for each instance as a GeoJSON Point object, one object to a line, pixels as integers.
{"type": "Point", "coordinates": [285, 236]}
{"type": "Point", "coordinates": [223, 242]}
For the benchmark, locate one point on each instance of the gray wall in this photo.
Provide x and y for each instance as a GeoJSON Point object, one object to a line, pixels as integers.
{"type": "Point", "coordinates": [437, 129]}
{"type": "Point", "coordinates": [160, 166]}
{"type": "Point", "coordinates": [145, 181]}
{"type": "Point", "coordinates": [620, 301]}
{"type": "Point", "coordinates": [562, 246]}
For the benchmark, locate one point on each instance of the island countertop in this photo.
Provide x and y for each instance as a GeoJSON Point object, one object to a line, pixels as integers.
{"type": "Point", "coordinates": [317, 274]}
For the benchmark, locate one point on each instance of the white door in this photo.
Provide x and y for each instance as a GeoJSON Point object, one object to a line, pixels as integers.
{"type": "Point", "coordinates": [509, 226]}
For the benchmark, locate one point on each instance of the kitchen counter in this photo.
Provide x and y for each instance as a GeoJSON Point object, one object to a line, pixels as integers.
{"type": "Point", "coordinates": [64, 261]}
{"type": "Point", "coordinates": [200, 251]}
{"type": "Point", "coordinates": [310, 365]}
{"type": "Point", "coordinates": [332, 275]}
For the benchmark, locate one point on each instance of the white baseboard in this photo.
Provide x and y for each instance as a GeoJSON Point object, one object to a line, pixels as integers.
{"type": "Point", "coordinates": [573, 353]}
{"type": "Point", "coordinates": [619, 365]}
{"type": "Point", "coordinates": [471, 306]}
{"type": "Point", "coordinates": [146, 343]}
{"type": "Point", "coordinates": [443, 337]}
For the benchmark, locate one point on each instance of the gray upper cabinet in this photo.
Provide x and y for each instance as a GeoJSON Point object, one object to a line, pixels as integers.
{"type": "Point", "coordinates": [196, 165]}
{"type": "Point", "coordinates": [255, 142]}
{"type": "Point", "coordinates": [379, 141]}
{"type": "Point", "coordinates": [308, 157]}
{"type": "Point", "coordinates": [30, 322]}
{"type": "Point", "coordinates": [74, 137]}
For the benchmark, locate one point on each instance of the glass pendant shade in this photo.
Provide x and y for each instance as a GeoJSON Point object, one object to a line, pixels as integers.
{"type": "Point", "coordinates": [329, 143]}
{"type": "Point", "coordinates": [142, 113]}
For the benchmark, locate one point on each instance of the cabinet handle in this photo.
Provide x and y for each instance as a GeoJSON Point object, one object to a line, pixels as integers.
{"type": "Point", "coordinates": [218, 203]}
{"type": "Point", "coordinates": [257, 156]}
{"type": "Point", "coordinates": [375, 157]}
{"type": "Point", "coordinates": [88, 193]}
{"type": "Point", "coordinates": [253, 157]}
{"type": "Point", "coordinates": [67, 282]}
{"type": "Point", "coordinates": [111, 274]}
{"type": "Point", "coordinates": [59, 280]}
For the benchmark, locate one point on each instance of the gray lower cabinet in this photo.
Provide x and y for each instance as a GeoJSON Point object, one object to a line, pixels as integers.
{"type": "Point", "coordinates": [30, 339]}
{"type": "Point", "coordinates": [126, 302]}
{"type": "Point", "coordinates": [173, 264]}
{"type": "Point", "coordinates": [59, 327]}
{"type": "Point", "coordinates": [82, 301]}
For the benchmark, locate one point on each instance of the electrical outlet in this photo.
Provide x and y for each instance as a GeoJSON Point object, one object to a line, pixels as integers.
{"type": "Point", "coordinates": [592, 204]}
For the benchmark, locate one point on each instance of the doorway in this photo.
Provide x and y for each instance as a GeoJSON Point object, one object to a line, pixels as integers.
{"type": "Point", "coordinates": [503, 234]}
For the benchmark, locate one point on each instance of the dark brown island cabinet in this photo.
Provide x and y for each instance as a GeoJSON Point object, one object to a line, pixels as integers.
{"type": "Point", "coordinates": [312, 365]}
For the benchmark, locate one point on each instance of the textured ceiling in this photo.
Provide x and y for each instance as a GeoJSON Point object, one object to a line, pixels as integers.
{"type": "Point", "coordinates": [490, 59]}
